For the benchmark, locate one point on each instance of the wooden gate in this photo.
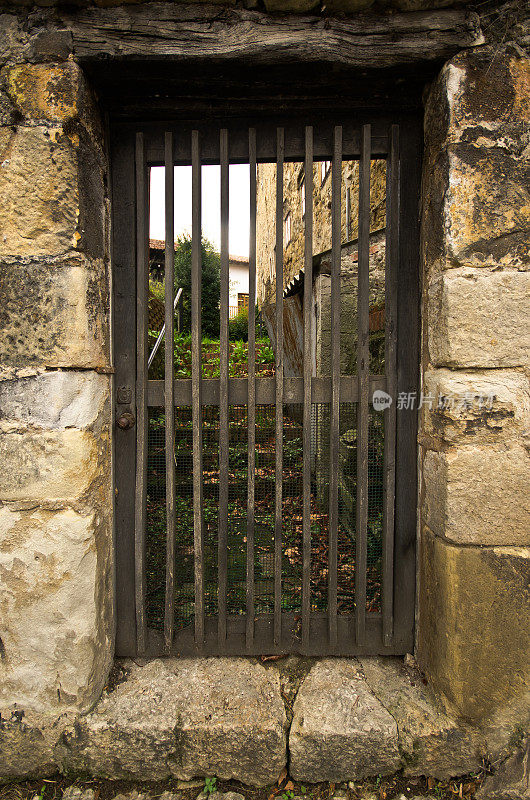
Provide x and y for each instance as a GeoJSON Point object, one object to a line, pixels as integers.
{"type": "Point", "coordinates": [291, 595]}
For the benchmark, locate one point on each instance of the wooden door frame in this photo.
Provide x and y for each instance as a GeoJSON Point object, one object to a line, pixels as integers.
{"type": "Point", "coordinates": [122, 149]}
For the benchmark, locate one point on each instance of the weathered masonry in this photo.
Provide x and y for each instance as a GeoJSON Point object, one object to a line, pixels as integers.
{"type": "Point", "coordinates": [84, 92]}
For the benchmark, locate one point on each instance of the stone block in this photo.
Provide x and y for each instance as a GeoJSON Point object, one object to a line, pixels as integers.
{"type": "Point", "coordinates": [12, 39]}
{"type": "Point", "coordinates": [54, 313]}
{"type": "Point", "coordinates": [51, 193]}
{"type": "Point", "coordinates": [479, 318]}
{"type": "Point", "coordinates": [487, 99]}
{"type": "Point", "coordinates": [51, 45]}
{"type": "Point", "coordinates": [8, 113]}
{"type": "Point", "coordinates": [486, 208]}
{"type": "Point", "coordinates": [54, 400]}
{"type": "Point", "coordinates": [511, 781]}
{"type": "Point", "coordinates": [56, 596]}
{"type": "Point", "coordinates": [55, 466]}
{"type": "Point", "coordinates": [24, 750]}
{"type": "Point", "coordinates": [485, 407]}
{"type": "Point", "coordinates": [44, 92]}
{"type": "Point", "coordinates": [53, 93]}
{"type": "Point", "coordinates": [431, 743]}
{"type": "Point", "coordinates": [340, 731]}
{"type": "Point", "coordinates": [478, 495]}
{"type": "Point", "coordinates": [474, 630]}
{"type": "Point", "coordinates": [477, 210]}
{"type": "Point", "coordinates": [39, 202]}
{"type": "Point", "coordinates": [185, 718]}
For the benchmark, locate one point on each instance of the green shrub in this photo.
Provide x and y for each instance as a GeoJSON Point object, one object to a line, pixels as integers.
{"type": "Point", "coordinates": [210, 284]}
{"type": "Point", "coordinates": [238, 326]}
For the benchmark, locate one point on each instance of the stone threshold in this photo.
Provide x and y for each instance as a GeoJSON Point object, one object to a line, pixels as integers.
{"type": "Point", "coordinates": [239, 719]}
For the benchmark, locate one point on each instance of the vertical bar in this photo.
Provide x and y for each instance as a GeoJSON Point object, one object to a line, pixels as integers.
{"type": "Point", "coordinates": [196, 404]}
{"type": "Point", "coordinates": [336, 179]}
{"type": "Point", "coordinates": [280, 150]}
{"type": "Point", "coordinates": [223, 397]}
{"type": "Point", "coordinates": [408, 361]}
{"type": "Point", "coordinates": [363, 367]}
{"type": "Point", "coordinates": [389, 458]}
{"type": "Point", "coordinates": [142, 283]}
{"type": "Point", "coordinates": [251, 470]}
{"type": "Point", "coordinates": [169, 392]}
{"type": "Point", "coordinates": [308, 294]}
{"type": "Point", "coordinates": [124, 342]}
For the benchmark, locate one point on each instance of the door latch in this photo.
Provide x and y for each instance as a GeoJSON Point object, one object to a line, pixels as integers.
{"type": "Point", "coordinates": [125, 421]}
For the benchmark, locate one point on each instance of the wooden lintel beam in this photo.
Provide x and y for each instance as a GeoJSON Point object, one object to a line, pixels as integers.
{"type": "Point", "coordinates": [195, 32]}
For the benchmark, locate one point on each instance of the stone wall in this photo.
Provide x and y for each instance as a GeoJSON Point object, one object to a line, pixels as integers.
{"type": "Point", "coordinates": [56, 553]}
{"type": "Point", "coordinates": [474, 609]}
{"type": "Point", "coordinates": [348, 303]}
{"type": "Point", "coordinates": [293, 315]}
{"type": "Point", "coordinates": [56, 621]}
{"type": "Point", "coordinates": [293, 260]}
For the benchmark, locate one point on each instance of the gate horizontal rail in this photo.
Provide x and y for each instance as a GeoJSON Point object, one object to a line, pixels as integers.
{"type": "Point", "coordinates": [310, 631]}
{"type": "Point", "coordinates": [265, 390]}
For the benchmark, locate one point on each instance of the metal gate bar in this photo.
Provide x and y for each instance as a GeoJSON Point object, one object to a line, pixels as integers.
{"type": "Point", "coordinates": [336, 184]}
{"type": "Point", "coordinates": [251, 410]}
{"type": "Point", "coordinates": [142, 281]}
{"type": "Point", "coordinates": [308, 290]}
{"type": "Point", "coordinates": [169, 391]}
{"type": "Point", "coordinates": [363, 367]}
{"type": "Point", "coordinates": [280, 146]}
{"type": "Point", "coordinates": [389, 456]}
{"type": "Point", "coordinates": [320, 632]}
{"type": "Point", "coordinates": [223, 400]}
{"type": "Point", "coordinates": [196, 387]}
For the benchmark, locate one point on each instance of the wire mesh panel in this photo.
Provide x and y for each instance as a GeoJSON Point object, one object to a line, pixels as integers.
{"type": "Point", "coordinates": [270, 513]}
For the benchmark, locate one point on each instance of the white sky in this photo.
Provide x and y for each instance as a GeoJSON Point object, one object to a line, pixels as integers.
{"type": "Point", "coordinates": [239, 215]}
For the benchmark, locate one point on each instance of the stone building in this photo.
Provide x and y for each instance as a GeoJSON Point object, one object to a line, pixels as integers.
{"type": "Point", "coordinates": [66, 73]}
{"type": "Point", "coordinates": [293, 260]}
{"type": "Point", "coordinates": [294, 214]}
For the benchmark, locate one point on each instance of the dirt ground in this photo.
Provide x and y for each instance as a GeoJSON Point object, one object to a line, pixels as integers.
{"type": "Point", "coordinates": [383, 788]}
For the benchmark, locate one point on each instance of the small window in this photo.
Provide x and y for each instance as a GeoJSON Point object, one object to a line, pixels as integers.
{"type": "Point", "coordinates": [325, 167]}
{"type": "Point", "coordinates": [287, 230]}
{"type": "Point", "coordinates": [242, 300]}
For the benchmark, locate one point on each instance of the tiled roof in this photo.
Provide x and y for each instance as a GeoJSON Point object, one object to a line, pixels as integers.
{"type": "Point", "coordinates": [160, 244]}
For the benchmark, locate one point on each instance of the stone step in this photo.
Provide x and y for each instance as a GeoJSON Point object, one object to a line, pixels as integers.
{"type": "Point", "coordinates": [355, 718]}
{"type": "Point", "coordinates": [189, 718]}
{"type": "Point", "coordinates": [183, 718]}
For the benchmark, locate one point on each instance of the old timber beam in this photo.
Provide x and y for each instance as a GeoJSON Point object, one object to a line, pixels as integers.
{"type": "Point", "coordinates": [190, 32]}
